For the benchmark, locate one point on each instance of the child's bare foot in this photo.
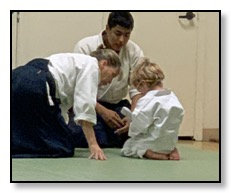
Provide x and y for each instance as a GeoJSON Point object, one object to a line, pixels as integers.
{"type": "Point", "coordinates": [156, 156]}
{"type": "Point", "coordinates": [174, 155]}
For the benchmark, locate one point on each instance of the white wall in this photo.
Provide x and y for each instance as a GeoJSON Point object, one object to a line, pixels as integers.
{"type": "Point", "coordinates": [211, 86]}
{"type": "Point", "coordinates": [41, 34]}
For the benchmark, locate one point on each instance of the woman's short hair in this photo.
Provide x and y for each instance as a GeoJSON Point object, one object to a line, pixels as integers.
{"type": "Point", "coordinates": [107, 54]}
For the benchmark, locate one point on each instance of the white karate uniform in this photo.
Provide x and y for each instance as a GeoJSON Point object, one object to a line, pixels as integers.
{"type": "Point", "coordinates": [129, 56]}
{"type": "Point", "coordinates": [77, 78]}
{"type": "Point", "coordinates": [155, 124]}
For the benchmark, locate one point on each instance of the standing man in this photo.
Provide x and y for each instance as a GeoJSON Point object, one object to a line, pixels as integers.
{"type": "Point", "coordinates": [111, 129]}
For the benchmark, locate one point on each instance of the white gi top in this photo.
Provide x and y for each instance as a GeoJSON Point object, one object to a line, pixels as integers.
{"type": "Point", "coordinates": [77, 79]}
{"type": "Point", "coordinates": [129, 56]}
{"type": "Point", "coordinates": [155, 124]}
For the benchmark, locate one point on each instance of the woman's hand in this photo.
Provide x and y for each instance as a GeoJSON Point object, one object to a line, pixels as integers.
{"type": "Point", "coordinates": [96, 153]}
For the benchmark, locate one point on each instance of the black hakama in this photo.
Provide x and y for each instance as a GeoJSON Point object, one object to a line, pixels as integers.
{"type": "Point", "coordinates": [37, 126]}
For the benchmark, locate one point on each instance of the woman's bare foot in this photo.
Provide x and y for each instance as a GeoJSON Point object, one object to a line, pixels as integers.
{"type": "Point", "coordinates": [156, 156]}
{"type": "Point", "coordinates": [174, 155]}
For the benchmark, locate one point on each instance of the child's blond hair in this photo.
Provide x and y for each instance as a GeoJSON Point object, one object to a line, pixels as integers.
{"type": "Point", "coordinates": [150, 72]}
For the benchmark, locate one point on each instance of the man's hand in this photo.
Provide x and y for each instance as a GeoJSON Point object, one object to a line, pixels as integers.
{"type": "Point", "coordinates": [111, 118]}
{"type": "Point", "coordinates": [123, 129]}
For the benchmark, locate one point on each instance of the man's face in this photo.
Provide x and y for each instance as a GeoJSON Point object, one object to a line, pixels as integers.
{"type": "Point", "coordinates": [117, 37]}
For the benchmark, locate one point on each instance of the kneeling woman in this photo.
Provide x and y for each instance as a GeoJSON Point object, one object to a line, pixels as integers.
{"type": "Point", "coordinates": [42, 92]}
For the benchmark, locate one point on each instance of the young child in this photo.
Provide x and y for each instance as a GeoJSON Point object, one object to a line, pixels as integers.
{"type": "Point", "coordinates": [156, 119]}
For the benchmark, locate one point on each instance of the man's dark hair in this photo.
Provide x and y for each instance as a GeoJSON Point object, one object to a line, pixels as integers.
{"type": "Point", "coordinates": [123, 19]}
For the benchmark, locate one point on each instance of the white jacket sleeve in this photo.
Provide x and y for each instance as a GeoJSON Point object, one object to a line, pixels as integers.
{"type": "Point", "coordinates": [140, 123]}
{"type": "Point", "coordinates": [136, 58]}
{"type": "Point", "coordinates": [85, 94]}
{"type": "Point", "coordinates": [81, 49]}
{"type": "Point", "coordinates": [87, 45]}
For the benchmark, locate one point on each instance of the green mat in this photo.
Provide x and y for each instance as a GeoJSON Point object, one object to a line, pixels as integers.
{"type": "Point", "coordinates": [195, 165]}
